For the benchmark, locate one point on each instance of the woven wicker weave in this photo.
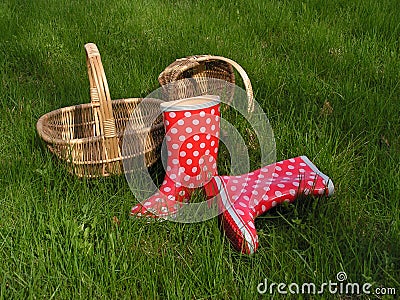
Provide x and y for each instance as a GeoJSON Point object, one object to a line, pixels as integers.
{"type": "Point", "coordinates": [200, 68]}
{"type": "Point", "coordinates": [89, 136]}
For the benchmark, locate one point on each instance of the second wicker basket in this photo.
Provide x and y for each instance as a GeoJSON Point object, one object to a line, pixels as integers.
{"type": "Point", "coordinates": [200, 68]}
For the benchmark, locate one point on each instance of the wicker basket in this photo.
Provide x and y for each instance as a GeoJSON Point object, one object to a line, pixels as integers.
{"type": "Point", "coordinates": [199, 68]}
{"type": "Point", "coordinates": [89, 136]}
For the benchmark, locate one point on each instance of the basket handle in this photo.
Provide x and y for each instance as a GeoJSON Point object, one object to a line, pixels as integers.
{"type": "Point", "coordinates": [100, 97]}
{"type": "Point", "coordinates": [241, 71]}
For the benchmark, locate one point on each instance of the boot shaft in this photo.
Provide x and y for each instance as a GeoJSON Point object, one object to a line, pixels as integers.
{"type": "Point", "coordinates": [192, 138]}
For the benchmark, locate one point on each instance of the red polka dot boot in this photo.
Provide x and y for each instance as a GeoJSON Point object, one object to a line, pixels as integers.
{"type": "Point", "coordinates": [243, 198]}
{"type": "Point", "coordinates": [192, 137]}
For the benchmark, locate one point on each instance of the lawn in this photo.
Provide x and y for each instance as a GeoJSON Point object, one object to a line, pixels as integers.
{"type": "Point", "coordinates": [326, 73]}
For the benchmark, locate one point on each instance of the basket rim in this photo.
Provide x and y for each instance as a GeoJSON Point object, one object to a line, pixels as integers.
{"type": "Point", "coordinates": [52, 140]}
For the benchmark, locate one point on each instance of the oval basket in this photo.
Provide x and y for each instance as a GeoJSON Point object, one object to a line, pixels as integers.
{"type": "Point", "coordinates": [198, 68]}
{"type": "Point", "coordinates": [88, 137]}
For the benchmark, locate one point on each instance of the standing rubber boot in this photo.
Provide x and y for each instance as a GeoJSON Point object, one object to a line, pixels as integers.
{"type": "Point", "coordinates": [243, 198]}
{"type": "Point", "coordinates": [192, 137]}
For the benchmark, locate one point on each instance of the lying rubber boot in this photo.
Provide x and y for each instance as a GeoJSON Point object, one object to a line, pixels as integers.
{"type": "Point", "coordinates": [243, 198]}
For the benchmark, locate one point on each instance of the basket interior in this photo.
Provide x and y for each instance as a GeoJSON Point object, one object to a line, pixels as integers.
{"type": "Point", "coordinates": [195, 81]}
{"type": "Point", "coordinates": [211, 69]}
{"type": "Point", "coordinates": [82, 121]}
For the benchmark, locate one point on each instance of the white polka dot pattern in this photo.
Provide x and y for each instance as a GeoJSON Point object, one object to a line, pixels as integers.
{"type": "Point", "coordinates": [252, 194]}
{"type": "Point", "coordinates": [192, 147]}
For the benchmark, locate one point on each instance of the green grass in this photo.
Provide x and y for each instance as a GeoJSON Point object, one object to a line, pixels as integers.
{"type": "Point", "coordinates": [62, 237]}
